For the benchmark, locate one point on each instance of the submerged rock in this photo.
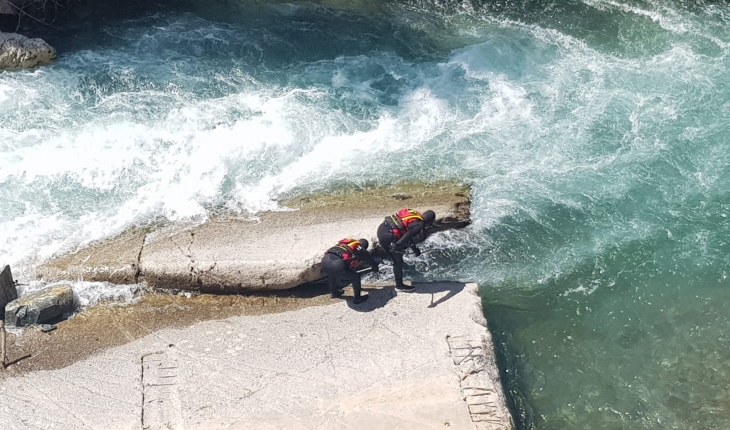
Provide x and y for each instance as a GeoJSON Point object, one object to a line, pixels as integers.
{"type": "Point", "coordinates": [41, 306]}
{"type": "Point", "coordinates": [20, 52]}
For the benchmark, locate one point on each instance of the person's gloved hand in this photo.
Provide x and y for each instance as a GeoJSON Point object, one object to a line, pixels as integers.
{"type": "Point", "coordinates": [400, 248]}
{"type": "Point", "coordinates": [376, 268]}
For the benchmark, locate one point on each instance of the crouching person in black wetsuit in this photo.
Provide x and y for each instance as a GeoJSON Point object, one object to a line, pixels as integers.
{"type": "Point", "coordinates": [401, 231]}
{"type": "Point", "coordinates": [340, 262]}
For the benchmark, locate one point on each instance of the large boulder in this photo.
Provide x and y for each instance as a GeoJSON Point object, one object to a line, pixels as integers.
{"type": "Point", "coordinates": [20, 52]}
{"type": "Point", "coordinates": [41, 306]}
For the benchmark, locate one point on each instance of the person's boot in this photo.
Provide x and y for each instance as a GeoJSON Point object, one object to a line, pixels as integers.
{"type": "Point", "coordinates": [361, 299]}
{"type": "Point", "coordinates": [399, 285]}
{"type": "Point", "coordinates": [405, 288]}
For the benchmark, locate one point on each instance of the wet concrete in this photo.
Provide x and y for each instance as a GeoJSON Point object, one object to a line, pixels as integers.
{"type": "Point", "coordinates": [107, 325]}
{"type": "Point", "coordinates": [279, 250]}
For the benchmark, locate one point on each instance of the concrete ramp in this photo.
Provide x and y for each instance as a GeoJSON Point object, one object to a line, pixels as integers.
{"type": "Point", "coordinates": [279, 250]}
{"type": "Point", "coordinates": [421, 360]}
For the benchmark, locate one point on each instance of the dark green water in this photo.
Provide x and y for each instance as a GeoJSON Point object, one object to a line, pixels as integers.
{"type": "Point", "coordinates": [595, 134]}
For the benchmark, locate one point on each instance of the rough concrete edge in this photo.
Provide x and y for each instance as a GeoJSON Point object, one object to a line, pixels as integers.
{"type": "Point", "coordinates": [395, 190]}
{"type": "Point", "coordinates": [487, 364]}
{"type": "Point", "coordinates": [62, 268]}
{"type": "Point", "coordinates": [204, 281]}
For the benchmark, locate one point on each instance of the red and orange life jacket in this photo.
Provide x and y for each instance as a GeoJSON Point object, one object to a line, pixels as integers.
{"type": "Point", "coordinates": [399, 221]}
{"type": "Point", "coordinates": [345, 249]}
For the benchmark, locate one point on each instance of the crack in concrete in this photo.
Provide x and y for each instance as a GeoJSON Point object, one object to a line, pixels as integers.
{"type": "Point", "coordinates": [59, 406]}
{"type": "Point", "coordinates": [193, 277]}
{"type": "Point", "coordinates": [138, 273]}
{"type": "Point", "coordinates": [142, 385]}
{"type": "Point", "coordinates": [477, 390]}
{"type": "Point", "coordinates": [90, 391]}
{"type": "Point", "coordinates": [198, 275]}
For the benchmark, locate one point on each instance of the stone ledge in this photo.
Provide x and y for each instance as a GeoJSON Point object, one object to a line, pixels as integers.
{"type": "Point", "coordinates": [280, 250]}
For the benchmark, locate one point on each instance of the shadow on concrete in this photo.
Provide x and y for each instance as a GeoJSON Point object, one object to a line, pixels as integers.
{"type": "Point", "coordinates": [435, 288]}
{"type": "Point", "coordinates": [17, 360]}
{"type": "Point", "coordinates": [307, 290]}
{"type": "Point", "coordinates": [377, 298]}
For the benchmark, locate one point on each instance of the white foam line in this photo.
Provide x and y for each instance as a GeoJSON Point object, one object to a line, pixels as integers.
{"type": "Point", "coordinates": [666, 17]}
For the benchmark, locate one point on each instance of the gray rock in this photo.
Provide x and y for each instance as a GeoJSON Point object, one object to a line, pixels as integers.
{"type": "Point", "coordinates": [20, 52]}
{"type": "Point", "coordinates": [40, 306]}
{"type": "Point", "coordinates": [45, 328]}
{"type": "Point", "coordinates": [8, 293]}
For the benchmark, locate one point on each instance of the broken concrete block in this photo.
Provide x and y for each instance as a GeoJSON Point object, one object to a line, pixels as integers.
{"type": "Point", "coordinates": [41, 306]}
{"type": "Point", "coordinates": [8, 293]}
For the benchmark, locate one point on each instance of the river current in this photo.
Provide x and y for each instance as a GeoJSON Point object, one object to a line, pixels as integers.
{"type": "Point", "coordinates": [594, 132]}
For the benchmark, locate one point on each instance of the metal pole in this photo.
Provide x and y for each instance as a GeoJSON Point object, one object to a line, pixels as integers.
{"type": "Point", "coordinates": [3, 355]}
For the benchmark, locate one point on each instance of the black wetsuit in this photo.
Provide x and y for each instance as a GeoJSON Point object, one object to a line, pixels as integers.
{"type": "Point", "coordinates": [338, 270]}
{"type": "Point", "coordinates": [415, 234]}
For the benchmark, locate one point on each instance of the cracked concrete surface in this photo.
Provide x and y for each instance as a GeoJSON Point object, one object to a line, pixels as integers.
{"type": "Point", "coordinates": [394, 363]}
{"type": "Point", "coordinates": [280, 250]}
{"type": "Point", "coordinates": [408, 361]}
{"type": "Point", "coordinates": [100, 327]}
{"type": "Point", "coordinates": [136, 266]}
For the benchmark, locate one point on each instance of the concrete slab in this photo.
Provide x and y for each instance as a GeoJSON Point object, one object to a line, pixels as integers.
{"type": "Point", "coordinates": [398, 362]}
{"type": "Point", "coordinates": [280, 250]}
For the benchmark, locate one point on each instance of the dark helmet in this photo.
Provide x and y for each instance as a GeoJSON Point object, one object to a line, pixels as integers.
{"type": "Point", "coordinates": [428, 217]}
{"type": "Point", "coordinates": [364, 243]}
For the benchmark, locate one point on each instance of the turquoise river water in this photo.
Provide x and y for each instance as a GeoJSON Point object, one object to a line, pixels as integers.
{"type": "Point", "coordinates": [595, 134]}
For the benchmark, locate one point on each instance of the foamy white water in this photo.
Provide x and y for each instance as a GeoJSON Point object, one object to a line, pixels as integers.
{"type": "Point", "coordinates": [593, 132]}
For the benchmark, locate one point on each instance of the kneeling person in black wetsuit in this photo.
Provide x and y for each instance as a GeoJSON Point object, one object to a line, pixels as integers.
{"type": "Point", "coordinates": [401, 231]}
{"type": "Point", "coordinates": [340, 262]}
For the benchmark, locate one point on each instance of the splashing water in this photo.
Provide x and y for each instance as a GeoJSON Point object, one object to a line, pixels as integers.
{"type": "Point", "coordinates": [593, 132]}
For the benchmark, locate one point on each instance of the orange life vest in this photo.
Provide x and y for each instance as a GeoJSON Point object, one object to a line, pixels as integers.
{"type": "Point", "coordinates": [345, 249]}
{"type": "Point", "coordinates": [399, 221]}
